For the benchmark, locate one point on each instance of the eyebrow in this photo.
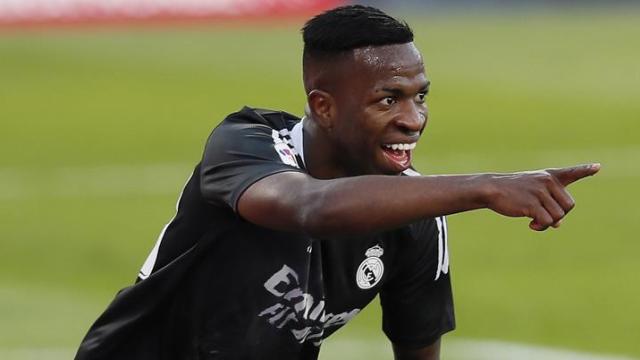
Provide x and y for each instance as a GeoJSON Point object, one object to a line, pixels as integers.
{"type": "Point", "coordinates": [400, 92]}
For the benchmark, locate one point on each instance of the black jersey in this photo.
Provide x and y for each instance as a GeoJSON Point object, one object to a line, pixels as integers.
{"type": "Point", "coordinates": [218, 287]}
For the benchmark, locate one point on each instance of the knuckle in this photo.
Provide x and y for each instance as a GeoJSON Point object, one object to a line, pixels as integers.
{"type": "Point", "coordinates": [567, 204]}
{"type": "Point", "coordinates": [546, 178]}
{"type": "Point", "coordinates": [539, 192]}
{"type": "Point", "coordinates": [558, 216]}
{"type": "Point", "coordinates": [531, 211]}
{"type": "Point", "coordinates": [546, 221]}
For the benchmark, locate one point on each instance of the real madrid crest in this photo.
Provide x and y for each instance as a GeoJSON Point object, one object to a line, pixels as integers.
{"type": "Point", "coordinates": [371, 269]}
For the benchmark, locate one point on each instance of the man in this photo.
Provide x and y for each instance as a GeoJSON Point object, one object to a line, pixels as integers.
{"type": "Point", "coordinates": [288, 228]}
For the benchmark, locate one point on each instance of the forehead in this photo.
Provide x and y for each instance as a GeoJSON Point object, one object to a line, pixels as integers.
{"type": "Point", "coordinates": [401, 60]}
{"type": "Point", "coordinates": [375, 68]}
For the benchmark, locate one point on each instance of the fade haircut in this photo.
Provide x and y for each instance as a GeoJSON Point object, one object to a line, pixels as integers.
{"type": "Point", "coordinates": [345, 28]}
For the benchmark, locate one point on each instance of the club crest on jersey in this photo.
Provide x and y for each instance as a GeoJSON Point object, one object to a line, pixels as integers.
{"type": "Point", "coordinates": [371, 269]}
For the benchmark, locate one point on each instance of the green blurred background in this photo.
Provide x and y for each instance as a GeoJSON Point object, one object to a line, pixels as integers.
{"type": "Point", "coordinates": [100, 127]}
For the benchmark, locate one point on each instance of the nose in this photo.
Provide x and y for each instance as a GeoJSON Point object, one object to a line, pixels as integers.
{"type": "Point", "coordinates": [413, 118]}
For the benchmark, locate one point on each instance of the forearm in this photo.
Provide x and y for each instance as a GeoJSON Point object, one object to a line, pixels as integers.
{"type": "Point", "coordinates": [358, 204]}
{"type": "Point", "coordinates": [373, 203]}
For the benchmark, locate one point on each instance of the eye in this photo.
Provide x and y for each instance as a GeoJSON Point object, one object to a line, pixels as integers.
{"type": "Point", "coordinates": [420, 98]}
{"type": "Point", "coordinates": [388, 101]}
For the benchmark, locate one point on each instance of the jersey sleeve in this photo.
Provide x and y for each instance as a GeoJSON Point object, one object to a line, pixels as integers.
{"type": "Point", "coordinates": [238, 153]}
{"type": "Point", "coordinates": [417, 302]}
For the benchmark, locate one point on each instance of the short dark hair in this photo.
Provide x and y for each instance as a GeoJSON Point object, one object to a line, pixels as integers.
{"type": "Point", "coordinates": [350, 27]}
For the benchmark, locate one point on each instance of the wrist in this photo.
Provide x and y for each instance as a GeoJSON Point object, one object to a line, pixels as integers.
{"type": "Point", "coordinates": [485, 190]}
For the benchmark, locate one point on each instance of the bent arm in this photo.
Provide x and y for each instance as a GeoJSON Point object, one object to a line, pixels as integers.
{"type": "Point", "coordinates": [291, 201]}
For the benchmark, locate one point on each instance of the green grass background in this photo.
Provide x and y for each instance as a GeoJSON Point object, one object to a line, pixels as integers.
{"type": "Point", "coordinates": [99, 129]}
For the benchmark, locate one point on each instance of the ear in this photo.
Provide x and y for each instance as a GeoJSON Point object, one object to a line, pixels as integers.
{"type": "Point", "coordinates": [322, 108]}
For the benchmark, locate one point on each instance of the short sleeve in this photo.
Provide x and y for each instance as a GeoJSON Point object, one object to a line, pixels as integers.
{"type": "Point", "coordinates": [417, 302]}
{"type": "Point", "coordinates": [237, 154]}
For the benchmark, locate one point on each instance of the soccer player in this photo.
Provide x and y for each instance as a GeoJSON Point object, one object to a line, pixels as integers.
{"type": "Point", "coordinates": [288, 228]}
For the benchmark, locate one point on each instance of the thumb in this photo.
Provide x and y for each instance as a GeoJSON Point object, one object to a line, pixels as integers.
{"type": "Point", "coordinates": [572, 174]}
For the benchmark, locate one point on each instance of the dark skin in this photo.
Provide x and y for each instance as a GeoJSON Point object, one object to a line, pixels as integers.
{"type": "Point", "coordinates": [359, 105]}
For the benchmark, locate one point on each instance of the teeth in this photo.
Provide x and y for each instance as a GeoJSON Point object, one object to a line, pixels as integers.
{"type": "Point", "coordinates": [401, 146]}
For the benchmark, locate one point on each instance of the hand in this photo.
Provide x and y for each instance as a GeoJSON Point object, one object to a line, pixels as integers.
{"type": "Point", "coordinates": [540, 195]}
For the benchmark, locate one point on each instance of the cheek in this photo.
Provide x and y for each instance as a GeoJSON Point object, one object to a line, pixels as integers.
{"type": "Point", "coordinates": [359, 130]}
{"type": "Point", "coordinates": [345, 137]}
{"type": "Point", "coordinates": [353, 142]}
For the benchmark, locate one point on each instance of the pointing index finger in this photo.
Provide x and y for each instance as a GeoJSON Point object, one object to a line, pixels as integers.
{"type": "Point", "coordinates": [572, 174]}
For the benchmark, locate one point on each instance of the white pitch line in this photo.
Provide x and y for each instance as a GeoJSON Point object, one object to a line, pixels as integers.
{"type": "Point", "coordinates": [622, 162]}
{"type": "Point", "coordinates": [352, 349]}
{"type": "Point", "coordinates": [94, 181]}
{"type": "Point", "coordinates": [457, 349]}
{"type": "Point", "coordinates": [492, 350]}
{"type": "Point", "coordinates": [167, 178]}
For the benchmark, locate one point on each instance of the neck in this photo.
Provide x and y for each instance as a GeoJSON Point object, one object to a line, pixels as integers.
{"type": "Point", "coordinates": [320, 159]}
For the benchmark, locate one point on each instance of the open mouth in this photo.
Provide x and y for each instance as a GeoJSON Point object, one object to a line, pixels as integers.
{"type": "Point", "coordinates": [399, 155]}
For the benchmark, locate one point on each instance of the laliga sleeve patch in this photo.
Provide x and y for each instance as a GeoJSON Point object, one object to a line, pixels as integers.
{"type": "Point", "coordinates": [287, 153]}
{"type": "Point", "coordinates": [371, 269]}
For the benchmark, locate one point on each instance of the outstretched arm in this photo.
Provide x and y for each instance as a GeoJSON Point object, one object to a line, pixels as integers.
{"type": "Point", "coordinates": [292, 201]}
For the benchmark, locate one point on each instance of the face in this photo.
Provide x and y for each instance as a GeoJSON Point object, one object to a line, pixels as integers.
{"type": "Point", "coordinates": [380, 109]}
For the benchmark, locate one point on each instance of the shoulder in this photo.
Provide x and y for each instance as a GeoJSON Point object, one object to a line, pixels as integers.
{"type": "Point", "coordinates": [244, 128]}
{"type": "Point", "coordinates": [249, 116]}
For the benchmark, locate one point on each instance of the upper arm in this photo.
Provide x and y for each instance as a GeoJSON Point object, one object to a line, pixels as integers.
{"type": "Point", "coordinates": [279, 201]}
{"type": "Point", "coordinates": [429, 352]}
{"type": "Point", "coordinates": [239, 154]}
